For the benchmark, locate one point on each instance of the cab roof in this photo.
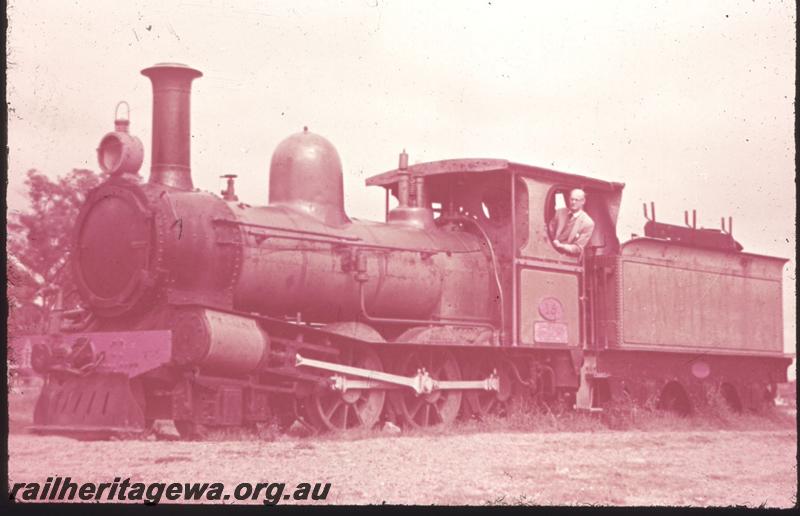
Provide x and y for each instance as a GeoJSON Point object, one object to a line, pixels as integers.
{"type": "Point", "coordinates": [485, 166]}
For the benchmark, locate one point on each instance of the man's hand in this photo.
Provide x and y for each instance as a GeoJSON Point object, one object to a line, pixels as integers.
{"type": "Point", "coordinates": [569, 249]}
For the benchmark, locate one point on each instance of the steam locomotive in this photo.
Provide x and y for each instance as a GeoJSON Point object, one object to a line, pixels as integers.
{"type": "Point", "coordinates": [213, 313]}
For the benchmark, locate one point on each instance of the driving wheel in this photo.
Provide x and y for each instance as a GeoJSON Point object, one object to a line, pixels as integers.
{"type": "Point", "coordinates": [482, 403]}
{"type": "Point", "coordinates": [329, 409]}
{"type": "Point", "coordinates": [437, 407]}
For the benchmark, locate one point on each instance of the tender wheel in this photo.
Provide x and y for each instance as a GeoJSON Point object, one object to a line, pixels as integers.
{"type": "Point", "coordinates": [484, 403]}
{"type": "Point", "coordinates": [356, 408]}
{"type": "Point", "coordinates": [731, 397]}
{"type": "Point", "coordinates": [438, 407]}
{"type": "Point", "coordinates": [674, 399]}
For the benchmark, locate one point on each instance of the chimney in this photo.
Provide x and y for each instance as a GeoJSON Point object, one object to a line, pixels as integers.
{"type": "Point", "coordinates": [170, 153]}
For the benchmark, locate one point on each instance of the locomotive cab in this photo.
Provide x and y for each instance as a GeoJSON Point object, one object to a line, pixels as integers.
{"type": "Point", "coordinates": [511, 205]}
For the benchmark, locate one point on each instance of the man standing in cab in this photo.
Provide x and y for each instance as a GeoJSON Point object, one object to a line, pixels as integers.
{"type": "Point", "coordinates": [572, 228]}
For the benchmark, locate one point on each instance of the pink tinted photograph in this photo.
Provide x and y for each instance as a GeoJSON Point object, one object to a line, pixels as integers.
{"type": "Point", "coordinates": [379, 252]}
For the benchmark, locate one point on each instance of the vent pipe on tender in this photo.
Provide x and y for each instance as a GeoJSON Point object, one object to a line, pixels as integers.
{"type": "Point", "coordinates": [171, 149]}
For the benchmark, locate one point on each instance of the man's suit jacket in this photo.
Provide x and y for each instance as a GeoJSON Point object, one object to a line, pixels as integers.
{"type": "Point", "coordinates": [580, 233]}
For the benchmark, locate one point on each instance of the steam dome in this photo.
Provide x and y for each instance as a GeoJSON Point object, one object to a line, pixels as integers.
{"type": "Point", "coordinates": [306, 174]}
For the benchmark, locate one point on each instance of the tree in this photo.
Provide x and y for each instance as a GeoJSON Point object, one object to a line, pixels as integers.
{"type": "Point", "coordinates": [39, 242]}
{"type": "Point", "coordinates": [24, 316]}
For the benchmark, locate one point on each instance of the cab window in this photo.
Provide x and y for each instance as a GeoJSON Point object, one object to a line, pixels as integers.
{"type": "Point", "coordinates": [556, 200]}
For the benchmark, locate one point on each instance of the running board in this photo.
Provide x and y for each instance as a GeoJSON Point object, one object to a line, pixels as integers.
{"type": "Point", "coordinates": [422, 383]}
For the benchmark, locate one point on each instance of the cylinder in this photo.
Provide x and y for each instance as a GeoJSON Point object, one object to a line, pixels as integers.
{"type": "Point", "coordinates": [171, 155]}
{"type": "Point", "coordinates": [218, 342]}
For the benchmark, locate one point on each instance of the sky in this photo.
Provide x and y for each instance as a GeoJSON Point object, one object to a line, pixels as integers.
{"type": "Point", "coordinates": [690, 104]}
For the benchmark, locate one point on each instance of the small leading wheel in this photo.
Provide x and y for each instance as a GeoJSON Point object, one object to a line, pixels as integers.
{"type": "Point", "coordinates": [190, 430]}
{"type": "Point", "coordinates": [137, 389]}
{"type": "Point", "coordinates": [355, 408]}
{"type": "Point", "coordinates": [437, 407]}
{"type": "Point", "coordinates": [483, 403]}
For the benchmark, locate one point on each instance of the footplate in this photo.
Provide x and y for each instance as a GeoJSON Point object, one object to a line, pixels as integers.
{"type": "Point", "coordinates": [98, 402]}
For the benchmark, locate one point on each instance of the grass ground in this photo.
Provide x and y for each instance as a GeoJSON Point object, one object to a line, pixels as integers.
{"type": "Point", "coordinates": [631, 457]}
{"type": "Point", "coordinates": [520, 418]}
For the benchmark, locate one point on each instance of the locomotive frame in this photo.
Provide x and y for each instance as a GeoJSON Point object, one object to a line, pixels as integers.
{"type": "Point", "coordinates": [211, 312]}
